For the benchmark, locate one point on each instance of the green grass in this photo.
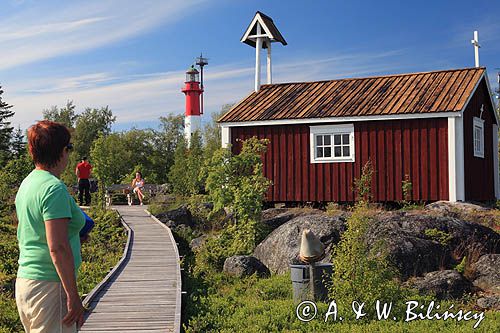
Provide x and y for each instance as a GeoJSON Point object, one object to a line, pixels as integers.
{"type": "Point", "coordinates": [265, 305]}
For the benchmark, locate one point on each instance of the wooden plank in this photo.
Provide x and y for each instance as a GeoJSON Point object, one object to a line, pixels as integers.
{"type": "Point", "coordinates": [406, 147]}
{"type": "Point", "coordinates": [283, 164]}
{"type": "Point", "coordinates": [381, 161]}
{"type": "Point", "coordinates": [297, 184]}
{"type": "Point", "coordinates": [276, 163]}
{"type": "Point", "coordinates": [371, 128]}
{"type": "Point", "coordinates": [424, 160]}
{"type": "Point", "coordinates": [415, 160]}
{"type": "Point", "coordinates": [389, 161]}
{"type": "Point", "coordinates": [433, 161]}
{"type": "Point", "coordinates": [398, 161]}
{"type": "Point", "coordinates": [290, 189]}
{"type": "Point", "coordinates": [143, 295]}
{"type": "Point", "coordinates": [305, 164]}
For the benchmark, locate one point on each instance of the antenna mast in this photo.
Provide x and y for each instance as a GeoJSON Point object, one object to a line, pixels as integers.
{"type": "Point", "coordinates": [201, 62]}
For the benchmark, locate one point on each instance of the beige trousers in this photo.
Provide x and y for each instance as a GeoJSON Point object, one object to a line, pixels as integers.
{"type": "Point", "coordinates": [42, 306]}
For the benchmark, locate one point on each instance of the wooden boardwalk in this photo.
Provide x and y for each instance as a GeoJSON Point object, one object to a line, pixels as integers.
{"type": "Point", "coordinates": [143, 293]}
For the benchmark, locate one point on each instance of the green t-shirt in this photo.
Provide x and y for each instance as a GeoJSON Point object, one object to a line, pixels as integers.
{"type": "Point", "coordinates": [42, 197]}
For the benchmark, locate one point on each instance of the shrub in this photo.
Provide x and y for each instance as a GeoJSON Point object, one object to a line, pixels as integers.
{"type": "Point", "coordinates": [104, 249]}
{"type": "Point", "coordinates": [236, 182]}
{"type": "Point", "coordinates": [361, 273]}
{"type": "Point", "coordinates": [461, 266]}
{"type": "Point", "coordinates": [363, 184]}
{"type": "Point", "coordinates": [439, 236]}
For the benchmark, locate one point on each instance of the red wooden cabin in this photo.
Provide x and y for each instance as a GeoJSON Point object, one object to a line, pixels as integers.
{"type": "Point", "coordinates": [439, 129]}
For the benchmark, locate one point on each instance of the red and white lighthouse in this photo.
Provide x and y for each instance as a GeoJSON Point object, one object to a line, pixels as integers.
{"type": "Point", "coordinates": [193, 91]}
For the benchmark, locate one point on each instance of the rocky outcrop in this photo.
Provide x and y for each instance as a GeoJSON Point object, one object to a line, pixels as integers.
{"type": "Point", "coordinates": [416, 242]}
{"type": "Point", "coordinates": [242, 266]}
{"type": "Point", "coordinates": [412, 248]}
{"type": "Point", "coordinates": [197, 242]}
{"type": "Point", "coordinates": [176, 217]}
{"type": "Point", "coordinates": [454, 207]}
{"type": "Point", "coordinates": [491, 302]}
{"type": "Point", "coordinates": [275, 217]}
{"type": "Point", "coordinates": [444, 284]}
{"type": "Point", "coordinates": [487, 273]}
{"type": "Point", "coordinates": [281, 247]}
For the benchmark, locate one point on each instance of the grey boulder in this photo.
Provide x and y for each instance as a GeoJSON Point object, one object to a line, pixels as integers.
{"type": "Point", "coordinates": [242, 266]}
{"type": "Point", "coordinates": [487, 273]}
{"type": "Point", "coordinates": [444, 284]}
{"type": "Point", "coordinates": [176, 217]}
{"type": "Point", "coordinates": [281, 247]}
{"type": "Point", "coordinates": [414, 252]}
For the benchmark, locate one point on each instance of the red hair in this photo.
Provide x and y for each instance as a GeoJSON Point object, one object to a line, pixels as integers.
{"type": "Point", "coordinates": [46, 142]}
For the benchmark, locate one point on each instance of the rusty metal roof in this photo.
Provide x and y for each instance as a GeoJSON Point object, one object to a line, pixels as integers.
{"type": "Point", "coordinates": [413, 93]}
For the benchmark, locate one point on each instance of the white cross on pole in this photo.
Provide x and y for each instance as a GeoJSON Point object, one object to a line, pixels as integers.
{"type": "Point", "coordinates": [475, 42]}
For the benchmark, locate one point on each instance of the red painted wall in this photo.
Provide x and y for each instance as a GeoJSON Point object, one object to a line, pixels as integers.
{"type": "Point", "coordinates": [479, 172]}
{"type": "Point", "coordinates": [417, 147]}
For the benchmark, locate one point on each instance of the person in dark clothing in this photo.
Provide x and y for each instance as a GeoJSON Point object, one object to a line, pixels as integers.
{"type": "Point", "coordinates": [82, 171]}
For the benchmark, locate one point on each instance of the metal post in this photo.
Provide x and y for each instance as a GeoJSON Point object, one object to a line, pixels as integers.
{"type": "Point", "coordinates": [269, 76]}
{"type": "Point", "coordinates": [312, 274]}
{"type": "Point", "coordinates": [258, 47]}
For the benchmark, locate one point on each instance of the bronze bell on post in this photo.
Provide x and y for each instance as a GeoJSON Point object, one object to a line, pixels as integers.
{"type": "Point", "coordinates": [311, 251]}
{"type": "Point", "coordinates": [311, 248]}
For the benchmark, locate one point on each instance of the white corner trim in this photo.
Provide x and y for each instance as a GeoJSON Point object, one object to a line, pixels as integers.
{"type": "Point", "coordinates": [331, 129]}
{"type": "Point", "coordinates": [495, 161]}
{"type": "Point", "coordinates": [225, 136]}
{"type": "Point", "coordinates": [485, 77]}
{"type": "Point", "coordinates": [491, 100]}
{"type": "Point", "coordinates": [456, 180]}
{"type": "Point", "coordinates": [343, 119]}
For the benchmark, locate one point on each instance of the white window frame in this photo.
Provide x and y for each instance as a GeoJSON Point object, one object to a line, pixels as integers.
{"type": "Point", "coordinates": [478, 141]}
{"type": "Point", "coordinates": [331, 130]}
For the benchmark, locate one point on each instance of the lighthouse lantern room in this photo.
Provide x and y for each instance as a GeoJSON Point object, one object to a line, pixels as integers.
{"type": "Point", "coordinates": [193, 91]}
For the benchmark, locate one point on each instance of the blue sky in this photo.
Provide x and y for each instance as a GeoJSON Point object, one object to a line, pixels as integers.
{"type": "Point", "coordinates": [131, 55]}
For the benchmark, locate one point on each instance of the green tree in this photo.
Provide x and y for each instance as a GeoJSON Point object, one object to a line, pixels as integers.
{"type": "Point", "coordinates": [65, 115]}
{"type": "Point", "coordinates": [89, 125]}
{"type": "Point", "coordinates": [5, 128]}
{"type": "Point", "coordinates": [109, 166]}
{"type": "Point", "coordinates": [236, 182]}
{"type": "Point", "coordinates": [18, 143]}
{"type": "Point", "coordinates": [11, 176]}
{"type": "Point", "coordinates": [212, 132]}
{"type": "Point", "coordinates": [178, 176]}
{"type": "Point", "coordinates": [166, 139]}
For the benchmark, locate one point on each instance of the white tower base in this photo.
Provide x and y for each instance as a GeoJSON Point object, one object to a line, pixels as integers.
{"type": "Point", "coordinates": [191, 125]}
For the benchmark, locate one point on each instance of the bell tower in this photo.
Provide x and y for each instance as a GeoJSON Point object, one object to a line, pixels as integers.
{"type": "Point", "coordinates": [261, 33]}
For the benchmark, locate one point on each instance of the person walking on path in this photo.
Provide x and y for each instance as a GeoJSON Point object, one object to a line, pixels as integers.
{"type": "Point", "coordinates": [48, 234]}
{"type": "Point", "coordinates": [82, 171]}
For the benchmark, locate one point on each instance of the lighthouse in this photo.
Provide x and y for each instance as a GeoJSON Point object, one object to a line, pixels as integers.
{"type": "Point", "coordinates": [193, 91]}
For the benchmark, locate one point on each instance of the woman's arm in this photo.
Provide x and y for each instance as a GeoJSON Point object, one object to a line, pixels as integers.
{"type": "Point", "coordinates": [62, 257]}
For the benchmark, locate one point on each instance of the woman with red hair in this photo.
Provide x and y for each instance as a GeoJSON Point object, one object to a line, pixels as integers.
{"type": "Point", "coordinates": [48, 234]}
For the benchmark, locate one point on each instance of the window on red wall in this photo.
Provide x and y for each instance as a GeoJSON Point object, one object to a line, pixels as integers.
{"type": "Point", "coordinates": [478, 137]}
{"type": "Point", "coordinates": [332, 143]}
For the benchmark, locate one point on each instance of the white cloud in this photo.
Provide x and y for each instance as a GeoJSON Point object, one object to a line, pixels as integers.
{"type": "Point", "coordinates": [145, 97]}
{"type": "Point", "coordinates": [43, 32]}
